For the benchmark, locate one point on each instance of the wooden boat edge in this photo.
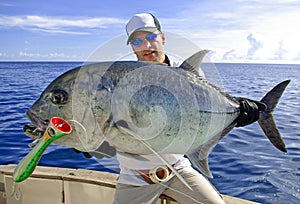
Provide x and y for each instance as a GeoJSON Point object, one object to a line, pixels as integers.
{"type": "Point", "coordinates": [65, 186]}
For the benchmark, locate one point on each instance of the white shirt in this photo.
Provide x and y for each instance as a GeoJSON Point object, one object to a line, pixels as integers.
{"type": "Point", "coordinates": [129, 164]}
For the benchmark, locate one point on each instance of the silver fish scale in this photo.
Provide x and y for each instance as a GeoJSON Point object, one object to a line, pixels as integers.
{"type": "Point", "coordinates": [171, 109]}
{"type": "Point", "coordinates": [166, 109]}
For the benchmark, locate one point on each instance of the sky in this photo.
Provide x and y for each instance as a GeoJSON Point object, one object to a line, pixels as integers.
{"type": "Point", "coordinates": [250, 31]}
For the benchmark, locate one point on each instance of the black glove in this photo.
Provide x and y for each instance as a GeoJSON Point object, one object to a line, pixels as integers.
{"type": "Point", "coordinates": [249, 111]}
{"type": "Point", "coordinates": [85, 154]}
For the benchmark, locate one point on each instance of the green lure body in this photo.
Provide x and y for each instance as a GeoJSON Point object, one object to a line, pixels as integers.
{"type": "Point", "coordinates": [27, 165]}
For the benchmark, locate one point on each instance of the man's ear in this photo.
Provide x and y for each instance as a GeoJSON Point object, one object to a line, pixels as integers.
{"type": "Point", "coordinates": [163, 38]}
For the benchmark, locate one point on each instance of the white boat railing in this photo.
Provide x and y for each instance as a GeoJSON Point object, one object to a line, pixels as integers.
{"type": "Point", "coordinates": [51, 185]}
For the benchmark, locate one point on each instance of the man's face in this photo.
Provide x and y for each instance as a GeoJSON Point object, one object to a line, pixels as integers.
{"type": "Point", "coordinates": [149, 50]}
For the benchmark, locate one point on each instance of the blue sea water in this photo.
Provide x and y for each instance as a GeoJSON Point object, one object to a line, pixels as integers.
{"type": "Point", "coordinates": [244, 163]}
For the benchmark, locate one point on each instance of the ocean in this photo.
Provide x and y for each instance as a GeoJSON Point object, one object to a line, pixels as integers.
{"type": "Point", "coordinates": [244, 163]}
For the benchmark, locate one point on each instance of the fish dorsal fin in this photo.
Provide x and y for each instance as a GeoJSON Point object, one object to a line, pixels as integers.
{"type": "Point", "coordinates": [193, 62]}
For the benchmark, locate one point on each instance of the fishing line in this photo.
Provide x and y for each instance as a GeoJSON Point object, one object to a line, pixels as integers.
{"type": "Point", "coordinates": [16, 193]}
{"type": "Point", "coordinates": [159, 156]}
{"type": "Point", "coordinates": [86, 136]}
{"type": "Point", "coordinates": [107, 130]}
{"type": "Point", "coordinates": [84, 129]}
{"type": "Point", "coordinates": [173, 189]}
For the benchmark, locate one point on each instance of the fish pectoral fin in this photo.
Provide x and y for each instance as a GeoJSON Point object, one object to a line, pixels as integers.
{"type": "Point", "coordinates": [124, 128]}
{"type": "Point", "coordinates": [104, 150]}
{"type": "Point", "coordinates": [122, 124]}
{"type": "Point", "coordinates": [135, 156]}
{"type": "Point", "coordinates": [201, 165]}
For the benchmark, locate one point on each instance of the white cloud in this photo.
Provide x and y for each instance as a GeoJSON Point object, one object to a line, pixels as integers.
{"type": "Point", "coordinates": [60, 31]}
{"type": "Point", "coordinates": [5, 4]}
{"type": "Point", "coordinates": [64, 25]}
{"type": "Point", "coordinates": [244, 30]}
{"type": "Point", "coordinates": [235, 30]}
{"type": "Point", "coordinates": [49, 56]}
{"type": "Point", "coordinates": [3, 54]}
{"type": "Point", "coordinates": [254, 45]}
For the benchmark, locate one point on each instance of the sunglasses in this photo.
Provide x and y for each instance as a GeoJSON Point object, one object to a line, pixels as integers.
{"type": "Point", "coordinates": [138, 41]}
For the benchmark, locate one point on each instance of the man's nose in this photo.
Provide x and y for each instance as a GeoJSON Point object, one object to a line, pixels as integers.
{"type": "Point", "coordinates": [146, 43]}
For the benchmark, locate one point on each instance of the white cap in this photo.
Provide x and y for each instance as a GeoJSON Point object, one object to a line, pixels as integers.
{"type": "Point", "coordinates": [142, 22]}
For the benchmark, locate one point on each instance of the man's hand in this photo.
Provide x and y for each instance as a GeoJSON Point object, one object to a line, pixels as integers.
{"type": "Point", "coordinates": [249, 111]}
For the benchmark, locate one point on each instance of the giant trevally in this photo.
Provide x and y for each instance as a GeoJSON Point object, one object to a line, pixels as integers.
{"type": "Point", "coordinates": [144, 108]}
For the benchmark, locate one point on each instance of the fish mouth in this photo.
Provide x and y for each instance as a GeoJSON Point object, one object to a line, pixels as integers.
{"type": "Point", "coordinates": [38, 126]}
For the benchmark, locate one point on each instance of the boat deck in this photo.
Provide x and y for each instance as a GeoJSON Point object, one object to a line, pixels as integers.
{"type": "Point", "coordinates": [51, 185]}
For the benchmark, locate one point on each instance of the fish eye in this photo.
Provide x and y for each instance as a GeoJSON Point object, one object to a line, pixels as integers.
{"type": "Point", "coordinates": [59, 96]}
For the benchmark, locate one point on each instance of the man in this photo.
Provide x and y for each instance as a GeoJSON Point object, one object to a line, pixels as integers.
{"type": "Point", "coordinates": [147, 40]}
{"type": "Point", "coordinates": [143, 179]}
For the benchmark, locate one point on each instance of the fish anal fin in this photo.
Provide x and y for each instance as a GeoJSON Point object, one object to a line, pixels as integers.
{"type": "Point", "coordinates": [201, 165]}
{"type": "Point", "coordinates": [199, 158]}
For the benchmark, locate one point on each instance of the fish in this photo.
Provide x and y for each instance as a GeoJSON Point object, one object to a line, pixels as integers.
{"type": "Point", "coordinates": [143, 108]}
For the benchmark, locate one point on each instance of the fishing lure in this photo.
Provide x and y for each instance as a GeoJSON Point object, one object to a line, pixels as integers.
{"type": "Point", "coordinates": [56, 129]}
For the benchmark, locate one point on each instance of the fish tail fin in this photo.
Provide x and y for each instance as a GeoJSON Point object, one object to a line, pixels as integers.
{"type": "Point", "coordinates": [266, 119]}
